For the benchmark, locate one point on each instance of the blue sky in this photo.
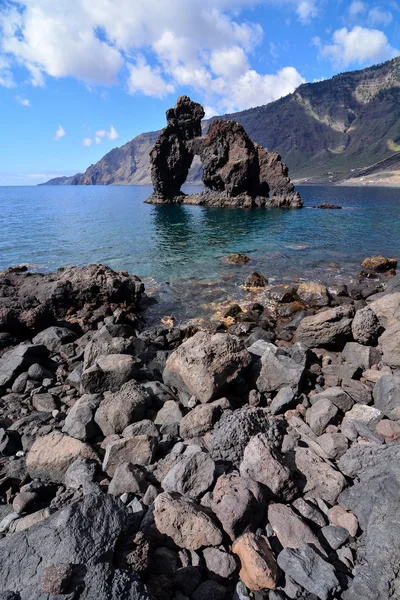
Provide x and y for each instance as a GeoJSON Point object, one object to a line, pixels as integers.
{"type": "Point", "coordinates": [79, 77]}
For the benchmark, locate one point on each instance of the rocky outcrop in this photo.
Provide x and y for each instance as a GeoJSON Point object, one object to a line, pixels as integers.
{"type": "Point", "coordinates": [172, 155]}
{"type": "Point", "coordinates": [236, 171]}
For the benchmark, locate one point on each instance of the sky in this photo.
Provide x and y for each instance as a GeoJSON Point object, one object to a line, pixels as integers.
{"type": "Point", "coordinates": [80, 77]}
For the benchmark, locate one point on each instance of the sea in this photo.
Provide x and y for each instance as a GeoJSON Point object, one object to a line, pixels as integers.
{"type": "Point", "coordinates": [180, 251]}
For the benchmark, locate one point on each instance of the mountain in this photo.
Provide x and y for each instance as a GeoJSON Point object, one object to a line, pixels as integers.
{"type": "Point", "coordinates": [343, 128]}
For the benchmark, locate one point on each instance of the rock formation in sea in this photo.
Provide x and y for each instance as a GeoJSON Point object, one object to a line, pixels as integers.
{"type": "Point", "coordinates": [236, 171]}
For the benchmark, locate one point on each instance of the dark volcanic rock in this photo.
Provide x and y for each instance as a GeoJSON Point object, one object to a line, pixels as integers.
{"type": "Point", "coordinates": [172, 154]}
{"type": "Point", "coordinates": [32, 301]}
{"type": "Point", "coordinates": [274, 177]}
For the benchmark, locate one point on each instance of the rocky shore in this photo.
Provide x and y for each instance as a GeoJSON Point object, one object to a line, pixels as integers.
{"type": "Point", "coordinates": [258, 458]}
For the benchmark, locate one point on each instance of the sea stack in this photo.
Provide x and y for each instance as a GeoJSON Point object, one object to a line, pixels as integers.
{"type": "Point", "coordinates": [237, 172]}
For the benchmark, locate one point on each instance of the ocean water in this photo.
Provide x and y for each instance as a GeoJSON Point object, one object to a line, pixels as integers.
{"type": "Point", "coordinates": [179, 250]}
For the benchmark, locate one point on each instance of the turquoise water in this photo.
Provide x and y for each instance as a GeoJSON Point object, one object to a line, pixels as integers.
{"type": "Point", "coordinates": [179, 248]}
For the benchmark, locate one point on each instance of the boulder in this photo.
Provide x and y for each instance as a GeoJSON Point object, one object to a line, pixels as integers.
{"type": "Point", "coordinates": [321, 413]}
{"type": "Point", "coordinates": [263, 465]}
{"type": "Point", "coordinates": [290, 529]}
{"type": "Point", "coordinates": [359, 392]}
{"type": "Point", "coordinates": [360, 413]}
{"type": "Point", "coordinates": [80, 423]}
{"type": "Point", "coordinates": [54, 337]}
{"type": "Point", "coordinates": [387, 396]}
{"type": "Point", "coordinates": [340, 517]}
{"type": "Point", "coordinates": [317, 478]}
{"type": "Point", "coordinates": [376, 470]}
{"type": "Point", "coordinates": [333, 444]}
{"type": "Point", "coordinates": [84, 535]}
{"type": "Point", "coordinates": [121, 408]}
{"type": "Point", "coordinates": [127, 479]}
{"type": "Point", "coordinates": [334, 536]}
{"type": "Point", "coordinates": [365, 326]}
{"type": "Point", "coordinates": [337, 396]}
{"type": "Point", "coordinates": [378, 264]}
{"type": "Point", "coordinates": [313, 294]}
{"type": "Point", "coordinates": [187, 523]}
{"type": "Point", "coordinates": [230, 436]}
{"type": "Point", "coordinates": [309, 570]}
{"type": "Point", "coordinates": [387, 309]}
{"type": "Point", "coordinates": [259, 570]}
{"type": "Point", "coordinates": [255, 280]}
{"type": "Point", "coordinates": [359, 355]}
{"type": "Point", "coordinates": [205, 364]}
{"type": "Point", "coordinates": [139, 450]}
{"type": "Point", "coordinates": [168, 418]}
{"type": "Point", "coordinates": [52, 454]}
{"type": "Point", "coordinates": [328, 328]}
{"type": "Point", "coordinates": [19, 359]}
{"type": "Point", "coordinates": [283, 401]}
{"type": "Point", "coordinates": [192, 476]}
{"type": "Point", "coordinates": [44, 402]}
{"type": "Point", "coordinates": [278, 371]}
{"type": "Point", "coordinates": [220, 566]}
{"type": "Point", "coordinates": [389, 343]}
{"type": "Point", "coordinates": [200, 420]}
{"type": "Point", "coordinates": [109, 373]}
{"type": "Point", "coordinates": [238, 503]}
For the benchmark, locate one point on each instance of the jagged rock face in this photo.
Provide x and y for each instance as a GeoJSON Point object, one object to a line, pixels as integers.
{"type": "Point", "coordinates": [172, 155]}
{"type": "Point", "coordinates": [229, 160]}
{"type": "Point", "coordinates": [274, 175]}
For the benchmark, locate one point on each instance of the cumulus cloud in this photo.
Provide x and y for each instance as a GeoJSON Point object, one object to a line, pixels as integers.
{"type": "Point", "coordinates": [87, 141]}
{"type": "Point", "coordinates": [152, 46]}
{"type": "Point", "coordinates": [373, 16]}
{"type": "Point", "coordinates": [356, 8]}
{"type": "Point", "coordinates": [111, 135]}
{"type": "Point", "coordinates": [359, 45]}
{"type": "Point", "coordinates": [60, 133]}
{"type": "Point", "coordinates": [23, 101]}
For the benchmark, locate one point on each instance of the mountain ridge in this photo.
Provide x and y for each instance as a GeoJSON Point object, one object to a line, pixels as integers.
{"type": "Point", "coordinates": [328, 131]}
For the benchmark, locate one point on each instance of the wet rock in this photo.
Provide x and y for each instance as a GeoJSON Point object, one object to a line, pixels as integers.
{"type": "Point", "coordinates": [255, 280]}
{"type": "Point", "coordinates": [109, 373]}
{"type": "Point", "coordinates": [188, 524]}
{"type": "Point", "coordinates": [318, 478]}
{"type": "Point", "coordinates": [80, 423]}
{"type": "Point", "coordinates": [121, 408]}
{"type": "Point", "coordinates": [233, 431]}
{"type": "Point", "coordinates": [365, 326]}
{"type": "Point", "coordinates": [205, 364]}
{"type": "Point", "coordinates": [238, 502]}
{"type": "Point", "coordinates": [378, 264]}
{"type": "Point", "coordinates": [54, 337]}
{"type": "Point", "coordinates": [259, 570]}
{"type": "Point", "coordinates": [376, 470]}
{"type": "Point", "coordinates": [192, 476]}
{"type": "Point", "coordinates": [261, 464]}
{"type": "Point", "coordinates": [138, 450]}
{"type": "Point", "coordinates": [220, 565]}
{"type": "Point", "coordinates": [321, 413]}
{"type": "Point", "coordinates": [308, 569]}
{"type": "Point", "coordinates": [290, 529]}
{"type": "Point", "coordinates": [313, 294]}
{"type": "Point", "coordinates": [52, 454]}
{"type": "Point", "coordinates": [237, 259]}
{"type": "Point", "coordinates": [328, 328]}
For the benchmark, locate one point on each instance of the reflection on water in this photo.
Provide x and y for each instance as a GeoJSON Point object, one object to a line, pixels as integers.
{"type": "Point", "coordinates": [180, 249]}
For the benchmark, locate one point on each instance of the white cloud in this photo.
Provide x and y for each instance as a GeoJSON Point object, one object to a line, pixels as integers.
{"type": "Point", "coordinates": [6, 76]}
{"type": "Point", "coordinates": [97, 140]}
{"type": "Point", "coordinates": [111, 135]}
{"type": "Point", "coordinates": [357, 8]}
{"type": "Point", "coordinates": [23, 101]}
{"type": "Point", "coordinates": [360, 45]}
{"type": "Point", "coordinates": [147, 80]}
{"type": "Point", "coordinates": [60, 133]}
{"type": "Point", "coordinates": [87, 141]}
{"type": "Point", "coordinates": [205, 45]}
{"type": "Point", "coordinates": [379, 17]}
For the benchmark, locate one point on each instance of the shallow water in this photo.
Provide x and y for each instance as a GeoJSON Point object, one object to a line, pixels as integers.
{"type": "Point", "coordinates": [179, 250]}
